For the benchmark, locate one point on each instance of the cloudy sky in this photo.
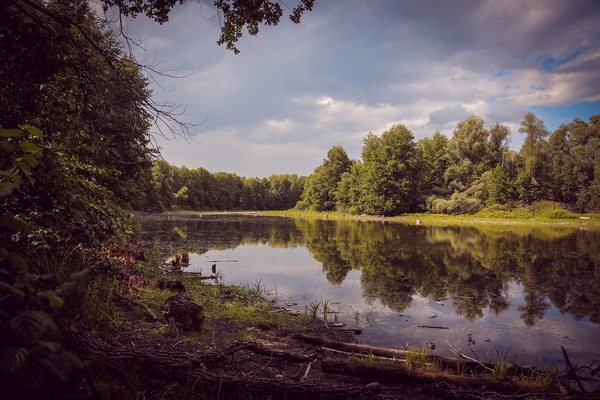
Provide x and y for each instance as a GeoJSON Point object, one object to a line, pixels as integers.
{"type": "Point", "coordinates": [357, 66]}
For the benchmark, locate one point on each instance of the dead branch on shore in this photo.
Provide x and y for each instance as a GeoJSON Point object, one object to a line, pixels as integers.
{"type": "Point", "coordinates": [355, 348]}
{"type": "Point", "coordinates": [391, 373]}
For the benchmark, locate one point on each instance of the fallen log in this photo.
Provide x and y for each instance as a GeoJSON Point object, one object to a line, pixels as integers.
{"type": "Point", "coordinates": [390, 373]}
{"type": "Point", "coordinates": [456, 364]}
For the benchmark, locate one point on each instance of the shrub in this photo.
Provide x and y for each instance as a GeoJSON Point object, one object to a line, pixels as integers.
{"type": "Point", "coordinates": [458, 203]}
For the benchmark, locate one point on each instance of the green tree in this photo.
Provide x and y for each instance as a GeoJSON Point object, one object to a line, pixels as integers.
{"type": "Point", "coordinates": [321, 187]}
{"type": "Point", "coordinates": [389, 173]}
{"type": "Point", "coordinates": [594, 191]}
{"type": "Point", "coordinates": [498, 150]}
{"type": "Point", "coordinates": [499, 186]}
{"type": "Point", "coordinates": [348, 194]}
{"type": "Point", "coordinates": [468, 151]}
{"type": "Point", "coordinates": [434, 162]}
{"type": "Point", "coordinates": [533, 180]}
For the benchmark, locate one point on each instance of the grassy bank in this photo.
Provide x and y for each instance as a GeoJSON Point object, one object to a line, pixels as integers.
{"type": "Point", "coordinates": [538, 214]}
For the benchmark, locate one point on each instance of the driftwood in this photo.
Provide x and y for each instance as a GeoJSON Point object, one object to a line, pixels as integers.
{"type": "Point", "coordinates": [389, 373]}
{"type": "Point", "coordinates": [455, 364]}
{"type": "Point", "coordinates": [206, 277]}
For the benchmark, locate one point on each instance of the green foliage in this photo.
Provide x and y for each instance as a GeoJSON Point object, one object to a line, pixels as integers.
{"type": "Point", "coordinates": [238, 14]}
{"type": "Point", "coordinates": [434, 162]}
{"type": "Point", "coordinates": [539, 209]}
{"type": "Point", "coordinates": [198, 189]}
{"type": "Point", "coordinates": [469, 146]}
{"type": "Point", "coordinates": [321, 187]}
{"type": "Point", "coordinates": [499, 187]}
{"type": "Point", "coordinates": [388, 176]}
{"type": "Point", "coordinates": [458, 203]}
{"type": "Point", "coordinates": [533, 181]}
{"type": "Point", "coordinates": [30, 351]}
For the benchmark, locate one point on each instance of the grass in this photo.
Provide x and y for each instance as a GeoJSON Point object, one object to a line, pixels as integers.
{"type": "Point", "coordinates": [415, 359]}
{"type": "Point", "coordinates": [541, 380]}
{"type": "Point", "coordinates": [501, 369]}
{"type": "Point", "coordinates": [246, 305]}
{"type": "Point", "coordinates": [539, 213]}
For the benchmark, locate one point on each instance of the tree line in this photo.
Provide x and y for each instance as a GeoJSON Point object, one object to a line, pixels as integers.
{"type": "Point", "coordinates": [473, 169]}
{"type": "Point", "coordinates": [198, 189]}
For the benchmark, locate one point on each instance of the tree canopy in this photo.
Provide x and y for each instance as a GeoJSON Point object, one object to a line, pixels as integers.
{"type": "Point", "coordinates": [474, 168]}
{"type": "Point", "coordinates": [321, 187]}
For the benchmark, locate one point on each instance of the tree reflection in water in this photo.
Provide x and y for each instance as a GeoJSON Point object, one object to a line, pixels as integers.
{"type": "Point", "coordinates": [471, 265]}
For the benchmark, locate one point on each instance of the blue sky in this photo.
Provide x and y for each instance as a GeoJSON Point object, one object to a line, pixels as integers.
{"type": "Point", "coordinates": [356, 66]}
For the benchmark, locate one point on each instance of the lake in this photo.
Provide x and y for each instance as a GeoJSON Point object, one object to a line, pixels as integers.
{"type": "Point", "coordinates": [512, 292]}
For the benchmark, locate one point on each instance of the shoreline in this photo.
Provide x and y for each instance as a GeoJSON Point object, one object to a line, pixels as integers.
{"type": "Point", "coordinates": [424, 219]}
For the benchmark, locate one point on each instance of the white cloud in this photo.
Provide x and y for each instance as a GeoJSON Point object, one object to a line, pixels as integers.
{"type": "Point", "coordinates": [353, 67]}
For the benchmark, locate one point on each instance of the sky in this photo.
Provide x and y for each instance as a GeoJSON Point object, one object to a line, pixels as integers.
{"type": "Point", "coordinates": [357, 66]}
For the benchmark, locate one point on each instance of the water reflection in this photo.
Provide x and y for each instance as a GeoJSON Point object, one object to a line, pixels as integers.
{"type": "Point", "coordinates": [472, 266]}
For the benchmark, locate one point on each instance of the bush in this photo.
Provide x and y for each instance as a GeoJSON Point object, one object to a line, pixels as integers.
{"type": "Point", "coordinates": [458, 203]}
{"type": "Point", "coordinates": [550, 209]}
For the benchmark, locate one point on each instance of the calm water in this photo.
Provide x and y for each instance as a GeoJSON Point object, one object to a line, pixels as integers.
{"type": "Point", "coordinates": [516, 292]}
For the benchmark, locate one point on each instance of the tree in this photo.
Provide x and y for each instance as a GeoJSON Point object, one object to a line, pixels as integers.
{"type": "Point", "coordinates": [562, 184]}
{"type": "Point", "coordinates": [92, 113]}
{"type": "Point", "coordinates": [434, 155]}
{"type": "Point", "coordinates": [321, 187]}
{"type": "Point", "coordinates": [468, 152]}
{"type": "Point", "coordinates": [499, 186]}
{"type": "Point", "coordinates": [348, 193]}
{"type": "Point", "coordinates": [389, 175]}
{"type": "Point", "coordinates": [498, 145]}
{"type": "Point", "coordinates": [533, 179]}
{"type": "Point", "coordinates": [594, 192]}
{"type": "Point", "coordinates": [236, 14]}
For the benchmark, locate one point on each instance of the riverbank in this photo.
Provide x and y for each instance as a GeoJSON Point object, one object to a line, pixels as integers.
{"type": "Point", "coordinates": [584, 221]}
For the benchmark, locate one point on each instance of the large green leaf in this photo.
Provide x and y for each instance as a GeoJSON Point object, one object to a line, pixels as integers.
{"type": "Point", "coordinates": [33, 131]}
{"type": "Point", "coordinates": [13, 358]}
{"type": "Point", "coordinates": [52, 347]}
{"type": "Point", "coordinates": [11, 289]}
{"type": "Point", "coordinates": [8, 133]}
{"type": "Point", "coordinates": [31, 148]}
{"type": "Point", "coordinates": [62, 364]}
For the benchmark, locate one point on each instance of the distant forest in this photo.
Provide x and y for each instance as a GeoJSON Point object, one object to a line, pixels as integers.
{"type": "Point", "coordinates": [473, 169]}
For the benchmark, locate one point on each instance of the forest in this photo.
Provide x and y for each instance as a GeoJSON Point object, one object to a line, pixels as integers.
{"type": "Point", "coordinates": [473, 169]}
